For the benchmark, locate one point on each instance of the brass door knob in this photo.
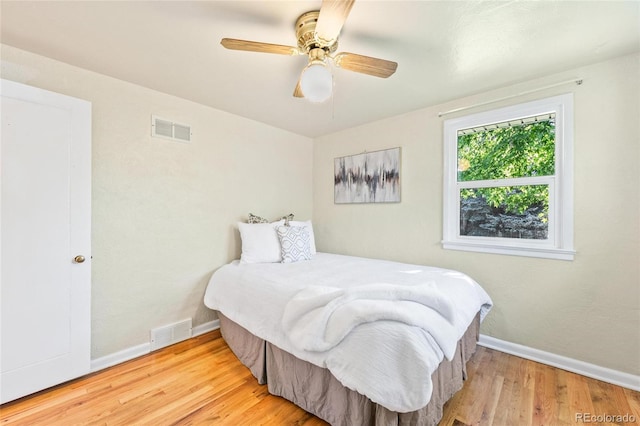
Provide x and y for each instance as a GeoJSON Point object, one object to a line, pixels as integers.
{"type": "Point", "coordinates": [79, 258]}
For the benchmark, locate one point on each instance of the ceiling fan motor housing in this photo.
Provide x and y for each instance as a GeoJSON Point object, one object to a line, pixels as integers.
{"type": "Point", "coordinates": [306, 33]}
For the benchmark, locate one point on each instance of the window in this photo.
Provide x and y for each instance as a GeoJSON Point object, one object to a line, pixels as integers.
{"type": "Point", "coordinates": [508, 180]}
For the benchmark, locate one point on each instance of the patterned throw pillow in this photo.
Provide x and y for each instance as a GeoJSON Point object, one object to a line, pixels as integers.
{"type": "Point", "coordinates": [309, 227]}
{"type": "Point", "coordinates": [294, 241]}
{"type": "Point", "coordinates": [287, 218]}
{"type": "Point", "coordinates": [256, 219]}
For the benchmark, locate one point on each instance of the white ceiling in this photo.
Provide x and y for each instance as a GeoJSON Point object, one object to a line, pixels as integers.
{"type": "Point", "coordinates": [445, 49]}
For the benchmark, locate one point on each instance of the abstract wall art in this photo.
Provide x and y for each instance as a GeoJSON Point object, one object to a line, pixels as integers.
{"type": "Point", "coordinates": [370, 177]}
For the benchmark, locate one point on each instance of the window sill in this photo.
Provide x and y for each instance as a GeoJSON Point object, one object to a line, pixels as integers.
{"type": "Point", "coordinates": [539, 252]}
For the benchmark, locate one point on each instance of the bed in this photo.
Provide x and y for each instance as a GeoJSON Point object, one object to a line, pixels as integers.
{"type": "Point", "coordinates": [352, 340]}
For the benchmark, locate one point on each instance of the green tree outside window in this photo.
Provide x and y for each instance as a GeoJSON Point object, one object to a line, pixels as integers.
{"type": "Point", "coordinates": [509, 152]}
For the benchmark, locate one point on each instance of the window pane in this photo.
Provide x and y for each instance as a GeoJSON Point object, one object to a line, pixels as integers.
{"type": "Point", "coordinates": [512, 149]}
{"type": "Point", "coordinates": [505, 212]}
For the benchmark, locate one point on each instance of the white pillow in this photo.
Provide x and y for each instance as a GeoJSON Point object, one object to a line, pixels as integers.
{"type": "Point", "coordinates": [307, 224]}
{"type": "Point", "coordinates": [295, 243]}
{"type": "Point", "coordinates": [260, 243]}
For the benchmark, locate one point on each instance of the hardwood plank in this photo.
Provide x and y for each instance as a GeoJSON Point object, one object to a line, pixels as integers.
{"type": "Point", "coordinates": [565, 413]}
{"type": "Point", "coordinates": [512, 401]}
{"type": "Point", "coordinates": [491, 404]}
{"type": "Point", "coordinates": [580, 400]}
{"type": "Point", "coordinates": [545, 410]}
{"type": "Point", "coordinates": [633, 399]}
{"type": "Point", "coordinates": [527, 398]}
{"type": "Point", "coordinates": [200, 381]}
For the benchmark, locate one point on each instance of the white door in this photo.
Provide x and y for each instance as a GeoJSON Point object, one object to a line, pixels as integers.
{"type": "Point", "coordinates": [45, 213]}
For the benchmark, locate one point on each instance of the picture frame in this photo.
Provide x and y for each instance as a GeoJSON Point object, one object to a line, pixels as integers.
{"type": "Point", "coordinates": [369, 177]}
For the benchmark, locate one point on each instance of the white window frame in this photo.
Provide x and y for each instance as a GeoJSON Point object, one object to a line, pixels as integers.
{"type": "Point", "coordinates": [559, 244]}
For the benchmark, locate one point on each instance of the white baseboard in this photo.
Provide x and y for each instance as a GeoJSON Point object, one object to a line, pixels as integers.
{"type": "Point", "coordinates": [143, 349]}
{"type": "Point", "coordinates": [608, 375]}
{"type": "Point", "coordinates": [119, 357]}
{"type": "Point", "coordinates": [205, 328]}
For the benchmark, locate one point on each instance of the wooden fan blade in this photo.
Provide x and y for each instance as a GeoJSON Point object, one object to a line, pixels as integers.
{"type": "Point", "coordinates": [298, 91]}
{"type": "Point", "coordinates": [256, 46]}
{"type": "Point", "coordinates": [333, 14]}
{"type": "Point", "coordinates": [365, 64]}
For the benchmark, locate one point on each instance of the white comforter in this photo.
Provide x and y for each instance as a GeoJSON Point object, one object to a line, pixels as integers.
{"type": "Point", "coordinates": [380, 327]}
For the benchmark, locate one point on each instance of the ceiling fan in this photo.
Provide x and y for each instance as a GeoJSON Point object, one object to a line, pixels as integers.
{"type": "Point", "coordinates": [317, 34]}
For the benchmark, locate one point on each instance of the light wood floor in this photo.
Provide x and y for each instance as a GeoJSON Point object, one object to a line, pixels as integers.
{"type": "Point", "coordinates": [201, 382]}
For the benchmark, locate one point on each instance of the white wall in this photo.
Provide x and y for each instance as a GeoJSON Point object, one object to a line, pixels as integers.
{"type": "Point", "coordinates": [164, 212]}
{"type": "Point", "coordinates": [587, 309]}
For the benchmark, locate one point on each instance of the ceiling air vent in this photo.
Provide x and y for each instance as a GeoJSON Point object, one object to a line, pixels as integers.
{"type": "Point", "coordinates": [167, 129]}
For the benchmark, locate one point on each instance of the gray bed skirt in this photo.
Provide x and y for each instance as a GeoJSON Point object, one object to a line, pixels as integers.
{"type": "Point", "coordinates": [317, 391]}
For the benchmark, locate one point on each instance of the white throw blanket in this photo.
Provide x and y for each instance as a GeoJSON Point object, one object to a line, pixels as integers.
{"type": "Point", "coordinates": [318, 318]}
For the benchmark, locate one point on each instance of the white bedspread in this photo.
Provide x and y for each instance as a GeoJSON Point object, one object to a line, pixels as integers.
{"type": "Point", "coordinates": [380, 327]}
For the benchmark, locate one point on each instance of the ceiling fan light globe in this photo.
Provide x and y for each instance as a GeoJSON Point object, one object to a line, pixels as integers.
{"type": "Point", "coordinates": [316, 82]}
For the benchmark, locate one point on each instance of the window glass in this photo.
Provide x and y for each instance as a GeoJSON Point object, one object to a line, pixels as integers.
{"type": "Point", "coordinates": [507, 150]}
{"type": "Point", "coordinates": [505, 212]}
